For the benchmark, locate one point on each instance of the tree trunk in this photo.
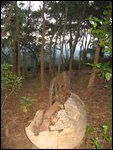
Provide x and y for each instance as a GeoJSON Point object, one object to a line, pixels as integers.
{"type": "Point", "coordinates": [85, 47]}
{"type": "Point", "coordinates": [13, 55]}
{"type": "Point", "coordinates": [17, 37]}
{"type": "Point", "coordinates": [67, 56]}
{"type": "Point", "coordinates": [101, 55]}
{"type": "Point", "coordinates": [42, 47]}
{"type": "Point", "coordinates": [72, 50]}
{"type": "Point", "coordinates": [80, 53]}
{"type": "Point", "coordinates": [50, 57]}
{"type": "Point", "coordinates": [64, 30]}
{"type": "Point", "coordinates": [24, 63]}
{"type": "Point", "coordinates": [18, 48]}
{"type": "Point", "coordinates": [18, 57]}
{"type": "Point", "coordinates": [70, 32]}
{"type": "Point", "coordinates": [92, 77]}
{"type": "Point", "coordinates": [54, 54]}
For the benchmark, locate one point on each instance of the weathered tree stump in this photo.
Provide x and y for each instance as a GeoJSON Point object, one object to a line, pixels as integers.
{"type": "Point", "coordinates": [63, 124]}
{"type": "Point", "coordinates": [59, 88]}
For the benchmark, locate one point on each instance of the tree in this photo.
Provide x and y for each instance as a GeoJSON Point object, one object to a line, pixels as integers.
{"type": "Point", "coordinates": [42, 47]}
{"type": "Point", "coordinates": [72, 50]}
{"type": "Point", "coordinates": [104, 35]}
{"type": "Point", "coordinates": [64, 30]}
{"type": "Point", "coordinates": [58, 29]}
{"type": "Point", "coordinates": [93, 74]}
{"type": "Point", "coordinates": [7, 19]}
{"type": "Point", "coordinates": [54, 31]}
{"type": "Point", "coordinates": [24, 63]}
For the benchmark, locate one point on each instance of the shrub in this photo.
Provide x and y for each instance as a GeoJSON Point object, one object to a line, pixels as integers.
{"type": "Point", "coordinates": [10, 83]}
{"type": "Point", "coordinates": [26, 103]}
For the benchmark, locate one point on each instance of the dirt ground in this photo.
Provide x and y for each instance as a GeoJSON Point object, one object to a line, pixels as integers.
{"type": "Point", "coordinates": [98, 105]}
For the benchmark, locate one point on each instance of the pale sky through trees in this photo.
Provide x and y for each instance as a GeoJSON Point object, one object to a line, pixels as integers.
{"type": "Point", "coordinates": [34, 4]}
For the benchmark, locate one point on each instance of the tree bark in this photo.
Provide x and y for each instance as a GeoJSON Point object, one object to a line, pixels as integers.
{"type": "Point", "coordinates": [85, 47]}
{"type": "Point", "coordinates": [80, 53]}
{"type": "Point", "coordinates": [92, 77]}
{"type": "Point", "coordinates": [70, 32]}
{"type": "Point", "coordinates": [42, 47]}
{"type": "Point", "coordinates": [50, 56]}
{"type": "Point", "coordinates": [18, 57]}
{"type": "Point", "coordinates": [54, 54]}
{"type": "Point", "coordinates": [18, 39]}
{"type": "Point", "coordinates": [24, 63]}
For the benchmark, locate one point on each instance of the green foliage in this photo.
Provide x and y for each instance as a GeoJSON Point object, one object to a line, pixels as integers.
{"type": "Point", "coordinates": [10, 83]}
{"type": "Point", "coordinates": [105, 129]}
{"type": "Point", "coordinates": [101, 29]}
{"type": "Point", "coordinates": [95, 141]}
{"type": "Point", "coordinates": [89, 130]}
{"type": "Point", "coordinates": [103, 70]}
{"type": "Point", "coordinates": [26, 103]}
{"type": "Point", "coordinates": [9, 80]}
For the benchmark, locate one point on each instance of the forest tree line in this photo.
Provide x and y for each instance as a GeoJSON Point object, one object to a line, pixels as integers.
{"type": "Point", "coordinates": [54, 25]}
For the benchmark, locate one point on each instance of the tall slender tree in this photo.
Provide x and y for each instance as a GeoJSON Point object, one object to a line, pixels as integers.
{"type": "Point", "coordinates": [42, 47]}
{"type": "Point", "coordinates": [72, 50]}
{"type": "Point", "coordinates": [92, 77]}
{"type": "Point", "coordinates": [64, 31]}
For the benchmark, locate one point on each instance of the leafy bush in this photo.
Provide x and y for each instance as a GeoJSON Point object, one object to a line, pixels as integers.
{"type": "Point", "coordinates": [25, 103]}
{"type": "Point", "coordinates": [103, 70]}
{"type": "Point", "coordinates": [104, 35]}
{"type": "Point", "coordinates": [10, 83]}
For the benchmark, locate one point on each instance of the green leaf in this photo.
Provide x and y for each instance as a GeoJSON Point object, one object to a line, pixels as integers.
{"type": "Point", "coordinates": [108, 76]}
{"type": "Point", "coordinates": [107, 138]}
{"type": "Point", "coordinates": [96, 143]}
{"type": "Point", "coordinates": [90, 18]}
{"type": "Point", "coordinates": [105, 128]}
{"type": "Point", "coordinates": [98, 65]}
{"type": "Point", "coordinates": [97, 19]}
{"type": "Point", "coordinates": [95, 24]}
{"type": "Point", "coordinates": [102, 42]}
{"type": "Point", "coordinates": [89, 64]}
{"type": "Point", "coordinates": [106, 86]}
{"type": "Point", "coordinates": [107, 50]}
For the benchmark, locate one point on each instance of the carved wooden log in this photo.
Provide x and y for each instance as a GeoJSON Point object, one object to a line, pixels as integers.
{"type": "Point", "coordinates": [63, 124]}
{"type": "Point", "coordinates": [68, 130]}
{"type": "Point", "coordinates": [37, 121]}
{"type": "Point", "coordinates": [42, 118]}
{"type": "Point", "coordinates": [48, 114]}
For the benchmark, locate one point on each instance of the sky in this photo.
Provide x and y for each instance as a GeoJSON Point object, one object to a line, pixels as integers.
{"type": "Point", "coordinates": [35, 4]}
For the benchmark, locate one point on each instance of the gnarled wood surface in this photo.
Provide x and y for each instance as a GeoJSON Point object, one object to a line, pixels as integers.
{"type": "Point", "coordinates": [63, 124]}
